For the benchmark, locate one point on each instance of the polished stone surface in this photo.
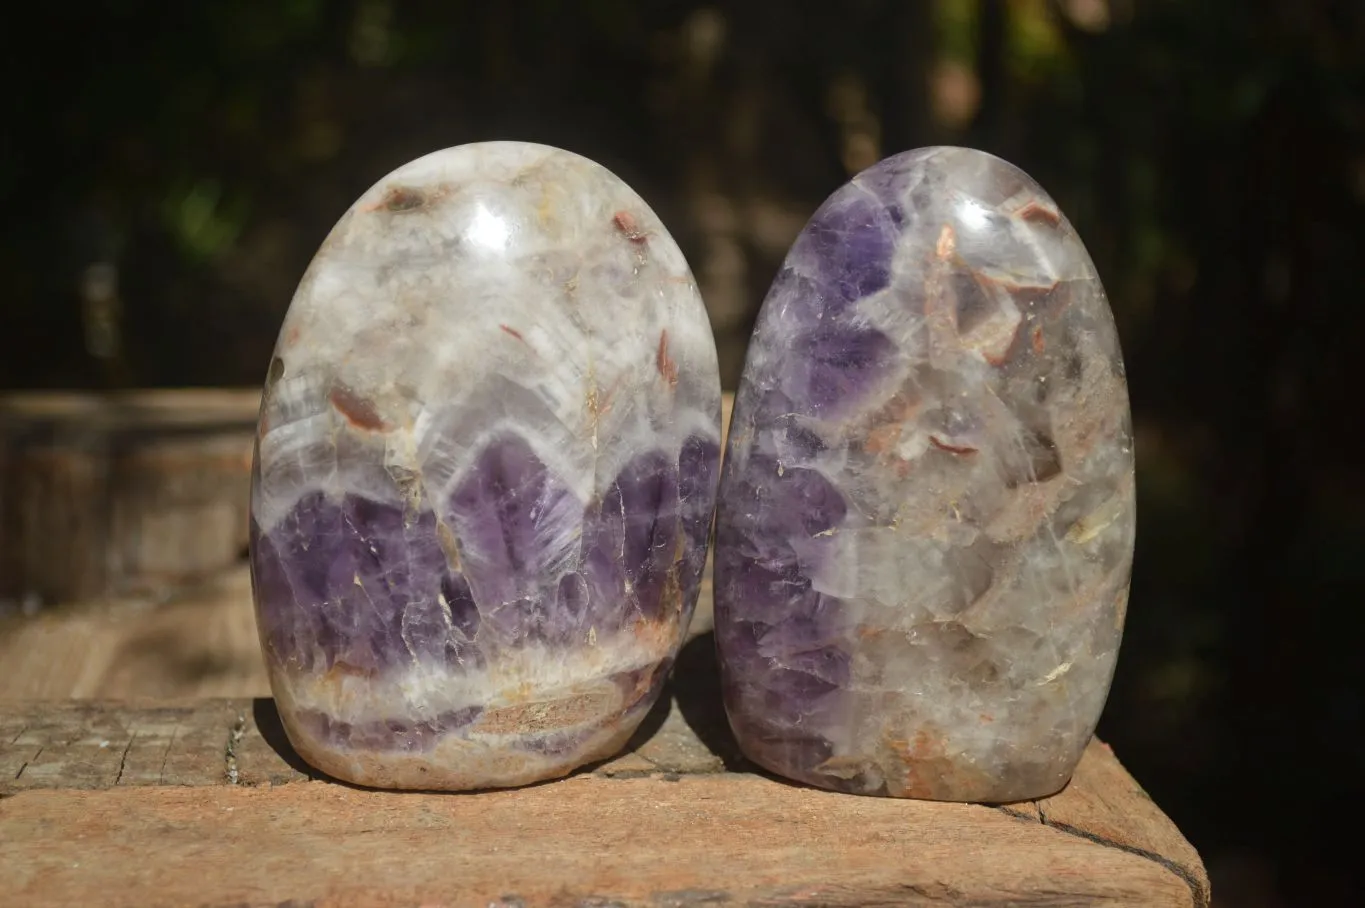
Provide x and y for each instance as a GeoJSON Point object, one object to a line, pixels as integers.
{"type": "Point", "coordinates": [485, 474]}
{"type": "Point", "coordinates": [926, 520]}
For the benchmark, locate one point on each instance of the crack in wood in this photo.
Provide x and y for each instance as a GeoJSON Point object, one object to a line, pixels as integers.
{"type": "Point", "coordinates": [26, 762]}
{"type": "Point", "coordinates": [15, 740]}
{"type": "Point", "coordinates": [625, 774]}
{"type": "Point", "coordinates": [123, 760]}
{"type": "Point", "coordinates": [235, 735]}
{"type": "Point", "coordinates": [1198, 891]}
{"type": "Point", "coordinates": [1017, 814]}
{"type": "Point", "coordinates": [683, 898]}
{"type": "Point", "coordinates": [161, 776]}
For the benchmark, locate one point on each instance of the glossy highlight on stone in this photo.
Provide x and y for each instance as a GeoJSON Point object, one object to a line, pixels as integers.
{"type": "Point", "coordinates": [926, 520]}
{"type": "Point", "coordinates": [485, 474]}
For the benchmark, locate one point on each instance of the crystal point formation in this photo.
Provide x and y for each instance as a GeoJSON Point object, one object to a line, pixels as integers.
{"type": "Point", "coordinates": [485, 474]}
{"type": "Point", "coordinates": [926, 517]}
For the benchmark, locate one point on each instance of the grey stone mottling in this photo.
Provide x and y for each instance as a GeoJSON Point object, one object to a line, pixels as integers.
{"type": "Point", "coordinates": [926, 520]}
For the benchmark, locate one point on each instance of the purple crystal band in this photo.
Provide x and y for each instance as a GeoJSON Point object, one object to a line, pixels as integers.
{"type": "Point", "coordinates": [372, 586]}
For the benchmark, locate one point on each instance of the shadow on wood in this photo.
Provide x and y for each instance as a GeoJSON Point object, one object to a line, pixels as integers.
{"type": "Point", "coordinates": [699, 701]}
{"type": "Point", "coordinates": [198, 790]}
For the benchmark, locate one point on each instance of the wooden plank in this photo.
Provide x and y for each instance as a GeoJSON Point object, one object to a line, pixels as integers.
{"type": "Point", "coordinates": [208, 793]}
{"type": "Point", "coordinates": [200, 642]}
{"type": "Point", "coordinates": [1098, 804]}
{"type": "Point", "coordinates": [87, 745]}
{"type": "Point", "coordinates": [584, 841]}
{"type": "Point", "coordinates": [105, 493]}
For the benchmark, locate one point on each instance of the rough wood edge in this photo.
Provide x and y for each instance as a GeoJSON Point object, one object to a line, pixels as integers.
{"type": "Point", "coordinates": [168, 406]}
{"type": "Point", "coordinates": [702, 840]}
{"type": "Point", "coordinates": [52, 746]}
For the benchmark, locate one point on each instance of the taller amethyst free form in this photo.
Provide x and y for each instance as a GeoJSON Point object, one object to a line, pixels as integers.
{"type": "Point", "coordinates": [926, 518]}
{"type": "Point", "coordinates": [485, 474]}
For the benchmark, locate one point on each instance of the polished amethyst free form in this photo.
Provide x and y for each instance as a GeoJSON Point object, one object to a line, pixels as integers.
{"type": "Point", "coordinates": [926, 518]}
{"type": "Point", "coordinates": [485, 474]}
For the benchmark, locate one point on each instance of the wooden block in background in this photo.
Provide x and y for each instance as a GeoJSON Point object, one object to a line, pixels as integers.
{"type": "Point", "coordinates": [106, 494]}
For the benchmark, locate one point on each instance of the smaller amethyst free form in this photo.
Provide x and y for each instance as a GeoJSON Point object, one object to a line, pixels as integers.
{"type": "Point", "coordinates": [485, 474]}
{"type": "Point", "coordinates": [926, 519]}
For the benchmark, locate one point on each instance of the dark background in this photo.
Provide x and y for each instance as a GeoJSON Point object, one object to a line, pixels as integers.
{"type": "Point", "coordinates": [168, 169]}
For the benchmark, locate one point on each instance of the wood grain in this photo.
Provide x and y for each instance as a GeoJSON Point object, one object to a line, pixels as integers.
{"type": "Point", "coordinates": [205, 803]}
{"type": "Point", "coordinates": [584, 841]}
{"type": "Point", "coordinates": [198, 642]}
{"type": "Point", "coordinates": [108, 493]}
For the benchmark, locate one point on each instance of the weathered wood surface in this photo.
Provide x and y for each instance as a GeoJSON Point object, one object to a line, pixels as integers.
{"type": "Point", "coordinates": [204, 803]}
{"type": "Point", "coordinates": [107, 493]}
{"type": "Point", "coordinates": [198, 642]}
